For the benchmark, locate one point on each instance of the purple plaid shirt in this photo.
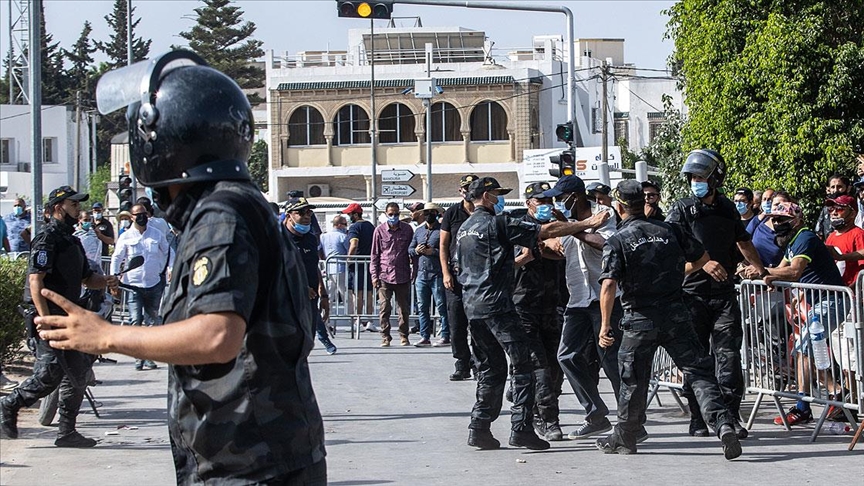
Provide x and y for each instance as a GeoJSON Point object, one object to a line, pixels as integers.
{"type": "Point", "coordinates": [391, 262]}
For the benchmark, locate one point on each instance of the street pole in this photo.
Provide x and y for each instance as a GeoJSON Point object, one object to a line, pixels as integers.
{"type": "Point", "coordinates": [35, 88]}
{"type": "Point", "coordinates": [604, 164]}
{"type": "Point", "coordinates": [77, 169]}
{"type": "Point", "coordinates": [9, 66]}
{"type": "Point", "coordinates": [373, 138]}
{"type": "Point", "coordinates": [129, 61]}
{"type": "Point", "coordinates": [94, 116]}
{"type": "Point", "coordinates": [428, 104]}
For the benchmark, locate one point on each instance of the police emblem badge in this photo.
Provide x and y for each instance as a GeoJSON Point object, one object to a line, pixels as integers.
{"type": "Point", "coordinates": [42, 258]}
{"type": "Point", "coordinates": [200, 271]}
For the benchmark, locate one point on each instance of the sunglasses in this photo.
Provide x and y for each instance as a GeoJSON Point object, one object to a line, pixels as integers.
{"type": "Point", "coordinates": [651, 195]}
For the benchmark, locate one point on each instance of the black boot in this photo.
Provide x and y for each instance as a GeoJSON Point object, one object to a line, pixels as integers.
{"type": "Point", "coordinates": [698, 428]}
{"type": "Point", "coordinates": [528, 439]}
{"type": "Point", "coordinates": [8, 420]}
{"type": "Point", "coordinates": [731, 446]}
{"type": "Point", "coordinates": [74, 440]}
{"type": "Point", "coordinates": [482, 439]}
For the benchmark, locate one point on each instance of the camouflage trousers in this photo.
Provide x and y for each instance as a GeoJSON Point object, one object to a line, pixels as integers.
{"type": "Point", "coordinates": [544, 331]}
{"type": "Point", "coordinates": [492, 337]}
{"type": "Point", "coordinates": [668, 326]}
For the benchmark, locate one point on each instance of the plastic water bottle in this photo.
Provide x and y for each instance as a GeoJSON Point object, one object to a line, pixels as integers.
{"type": "Point", "coordinates": [820, 347]}
{"type": "Point", "coordinates": [836, 428]}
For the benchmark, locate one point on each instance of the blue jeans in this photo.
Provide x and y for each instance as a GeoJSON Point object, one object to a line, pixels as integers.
{"type": "Point", "coordinates": [425, 289]}
{"type": "Point", "coordinates": [145, 301]}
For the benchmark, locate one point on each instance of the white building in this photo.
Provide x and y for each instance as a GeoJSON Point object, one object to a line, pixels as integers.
{"type": "Point", "coordinates": [639, 108]}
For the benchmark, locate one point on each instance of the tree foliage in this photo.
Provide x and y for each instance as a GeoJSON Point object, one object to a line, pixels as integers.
{"type": "Point", "coordinates": [115, 48]}
{"type": "Point", "coordinates": [222, 38]}
{"type": "Point", "coordinates": [55, 90]}
{"type": "Point", "coordinates": [80, 73]}
{"type": "Point", "coordinates": [775, 86]}
{"type": "Point", "coordinates": [258, 165]}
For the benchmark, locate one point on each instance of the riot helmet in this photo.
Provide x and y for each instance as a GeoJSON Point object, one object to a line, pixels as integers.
{"type": "Point", "coordinates": [187, 122]}
{"type": "Point", "coordinates": [705, 163]}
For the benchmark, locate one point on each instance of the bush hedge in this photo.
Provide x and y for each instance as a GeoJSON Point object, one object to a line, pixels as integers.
{"type": "Point", "coordinates": [12, 331]}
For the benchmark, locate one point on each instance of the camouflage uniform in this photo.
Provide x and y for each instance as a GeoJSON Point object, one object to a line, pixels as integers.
{"type": "Point", "coordinates": [253, 419]}
{"type": "Point", "coordinates": [646, 257]}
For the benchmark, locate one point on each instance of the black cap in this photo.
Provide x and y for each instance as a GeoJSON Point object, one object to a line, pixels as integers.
{"type": "Point", "coordinates": [629, 192]}
{"type": "Point", "coordinates": [65, 192]}
{"type": "Point", "coordinates": [650, 183]}
{"type": "Point", "coordinates": [746, 192]}
{"type": "Point", "coordinates": [535, 190]}
{"type": "Point", "coordinates": [599, 187]}
{"type": "Point", "coordinates": [97, 205]}
{"type": "Point", "coordinates": [566, 185]}
{"type": "Point", "coordinates": [486, 184]}
{"type": "Point", "coordinates": [297, 204]}
{"type": "Point", "coordinates": [467, 179]}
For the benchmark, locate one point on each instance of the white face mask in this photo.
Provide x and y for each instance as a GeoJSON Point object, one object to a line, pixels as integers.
{"type": "Point", "coordinates": [125, 223]}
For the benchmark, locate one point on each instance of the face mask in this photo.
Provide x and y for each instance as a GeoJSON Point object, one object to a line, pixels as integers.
{"type": "Point", "coordinates": [543, 212]}
{"type": "Point", "coordinates": [393, 220]}
{"type": "Point", "coordinates": [838, 223]}
{"type": "Point", "coordinates": [302, 228]}
{"type": "Point", "coordinates": [836, 194]}
{"type": "Point", "coordinates": [499, 206]}
{"type": "Point", "coordinates": [141, 219]}
{"type": "Point", "coordinates": [125, 223]}
{"type": "Point", "coordinates": [766, 207]}
{"type": "Point", "coordinates": [699, 189]}
{"type": "Point", "coordinates": [86, 225]}
{"type": "Point", "coordinates": [69, 219]}
{"type": "Point", "coordinates": [742, 207]}
{"type": "Point", "coordinates": [562, 208]}
{"type": "Point", "coordinates": [19, 210]}
{"type": "Point", "coordinates": [97, 216]}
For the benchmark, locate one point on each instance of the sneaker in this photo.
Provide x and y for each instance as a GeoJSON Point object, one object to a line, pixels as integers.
{"type": "Point", "coordinates": [550, 431]}
{"type": "Point", "coordinates": [404, 341]}
{"type": "Point", "coordinates": [641, 436]}
{"type": "Point", "coordinates": [8, 422]}
{"type": "Point", "coordinates": [795, 417]}
{"type": "Point", "coordinates": [610, 445]}
{"type": "Point", "coordinates": [370, 327]}
{"type": "Point", "coordinates": [460, 376]}
{"type": "Point", "coordinates": [527, 439]}
{"type": "Point", "coordinates": [698, 427]}
{"type": "Point", "coordinates": [150, 365]}
{"type": "Point", "coordinates": [74, 440]}
{"type": "Point", "coordinates": [330, 347]}
{"type": "Point", "coordinates": [482, 439]}
{"type": "Point", "coordinates": [588, 429]}
{"type": "Point", "coordinates": [385, 343]}
{"type": "Point", "coordinates": [423, 343]}
{"type": "Point", "coordinates": [835, 414]}
{"type": "Point", "coordinates": [139, 365]}
{"type": "Point", "coordinates": [443, 342]}
{"type": "Point", "coordinates": [731, 446]}
{"type": "Point", "coordinates": [331, 329]}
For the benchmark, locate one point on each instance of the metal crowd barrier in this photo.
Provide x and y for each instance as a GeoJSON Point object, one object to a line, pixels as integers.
{"type": "Point", "coordinates": [777, 350]}
{"type": "Point", "coordinates": [665, 374]}
{"type": "Point", "coordinates": [343, 274]}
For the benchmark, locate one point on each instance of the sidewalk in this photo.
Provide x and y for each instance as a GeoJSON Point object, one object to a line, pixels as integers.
{"type": "Point", "coordinates": [392, 417]}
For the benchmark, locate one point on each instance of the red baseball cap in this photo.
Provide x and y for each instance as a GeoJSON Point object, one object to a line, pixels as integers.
{"type": "Point", "coordinates": [353, 208]}
{"type": "Point", "coordinates": [843, 200]}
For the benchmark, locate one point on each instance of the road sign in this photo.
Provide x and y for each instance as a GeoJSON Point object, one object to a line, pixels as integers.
{"type": "Point", "coordinates": [400, 190]}
{"type": "Point", "coordinates": [381, 204]}
{"type": "Point", "coordinates": [395, 175]}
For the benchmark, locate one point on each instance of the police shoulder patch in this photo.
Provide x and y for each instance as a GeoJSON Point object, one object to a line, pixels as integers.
{"type": "Point", "coordinates": [42, 258]}
{"type": "Point", "coordinates": [200, 271]}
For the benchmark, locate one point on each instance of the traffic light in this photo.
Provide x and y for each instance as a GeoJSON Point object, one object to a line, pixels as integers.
{"type": "Point", "coordinates": [124, 192]}
{"type": "Point", "coordinates": [563, 164]}
{"type": "Point", "coordinates": [364, 10]}
{"type": "Point", "coordinates": [565, 132]}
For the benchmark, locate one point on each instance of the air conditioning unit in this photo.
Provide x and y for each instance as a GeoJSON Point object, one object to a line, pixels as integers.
{"type": "Point", "coordinates": [317, 190]}
{"type": "Point", "coordinates": [23, 166]}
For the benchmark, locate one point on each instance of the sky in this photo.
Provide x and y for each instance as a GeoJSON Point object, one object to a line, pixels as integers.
{"type": "Point", "coordinates": [297, 25]}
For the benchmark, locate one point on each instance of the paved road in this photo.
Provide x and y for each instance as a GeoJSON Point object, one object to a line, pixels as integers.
{"type": "Point", "coordinates": [393, 418]}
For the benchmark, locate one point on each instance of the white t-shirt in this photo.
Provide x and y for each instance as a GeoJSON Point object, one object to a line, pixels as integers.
{"type": "Point", "coordinates": [584, 263]}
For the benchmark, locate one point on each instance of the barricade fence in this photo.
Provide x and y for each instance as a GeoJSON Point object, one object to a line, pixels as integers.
{"type": "Point", "coordinates": [353, 300]}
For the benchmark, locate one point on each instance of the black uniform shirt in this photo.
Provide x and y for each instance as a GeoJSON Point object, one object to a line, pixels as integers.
{"type": "Point", "coordinates": [452, 221]}
{"type": "Point", "coordinates": [484, 257]}
{"type": "Point", "coordinates": [308, 246]}
{"type": "Point", "coordinates": [107, 229]}
{"type": "Point", "coordinates": [647, 259]}
{"type": "Point", "coordinates": [255, 417]}
{"type": "Point", "coordinates": [718, 227]}
{"type": "Point", "coordinates": [537, 282]}
{"type": "Point", "coordinates": [61, 257]}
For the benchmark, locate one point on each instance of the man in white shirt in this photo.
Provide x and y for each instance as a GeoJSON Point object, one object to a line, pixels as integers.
{"type": "Point", "coordinates": [145, 281]}
{"type": "Point", "coordinates": [88, 237]}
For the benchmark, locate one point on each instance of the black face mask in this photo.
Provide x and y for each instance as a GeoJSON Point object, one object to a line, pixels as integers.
{"type": "Point", "coordinates": [69, 219]}
{"type": "Point", "coordinates": [836, 194]}
{"type": "Point", "coordinates": [782, 234]}
{"type": "Point", "coordinates": [141, 220]}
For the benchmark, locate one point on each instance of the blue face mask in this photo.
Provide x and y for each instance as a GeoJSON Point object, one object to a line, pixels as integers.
{"type": "Point", "coordinates": [741, 207]}
{"type": "Point", "coordinates": [560, 206]}
{"type": "Point", "coordinates": [499, 206]}
{"type": "Point", "coordinates": [766, 207]}
{"type": "Point", "coordinates": [19, 210]}
{"type": "Point", "coordinates": [302, 228]}
{"type": "Point", "coordinates": [699, 189]}
{"type": "Point", "coordinates": [393, 220]}
{"type": "Point", "coordinates": [85, 225]}
{"type": "Point", "coordinates": [543, 212]}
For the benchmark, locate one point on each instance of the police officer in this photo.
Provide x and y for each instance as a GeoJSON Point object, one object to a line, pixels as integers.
{"type": "Point", "coordinates": [646, 259]}
{"type": "Point", "coordinates": [710, 292]}
{"type": "Point", "coordinates": [536, 299]}
{"type": "Point", "coordinates": [57, 263]}
{"type": "Point", "coordinates": [241, 406]}
{"type": "Point", "coordinates": [485, 268]}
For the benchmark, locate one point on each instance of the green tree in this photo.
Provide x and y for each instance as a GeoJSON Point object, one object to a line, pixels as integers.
{"type": "Point", "coordinates": [115, 48]}
{"type": "Point", "coordinates": [98, 184]}
{"type": "Point", "coordinates": [55, 90]}
{"type": "Point", "coordinates": [774, 86]}
{"type": "Point", "coordinates": [664, 152]}
{"type": "Point", "coordinates": [258, 165]}
{"type": "Point", "coordinates": [81, 70]}
{"type": "Point", "coordinates": [222, 38]}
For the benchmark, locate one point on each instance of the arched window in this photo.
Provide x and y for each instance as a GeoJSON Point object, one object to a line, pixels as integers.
{"type": "Point", "coordinates": [306, 127]}
{"type": "Point", "coordinates": [396, 124]}
{"type": "Point", "coordinates": [352, 126]}
{"type": "Point", "coordinates": [445, 123]}
{"type": "Point", "coordinates": [488, 122]}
